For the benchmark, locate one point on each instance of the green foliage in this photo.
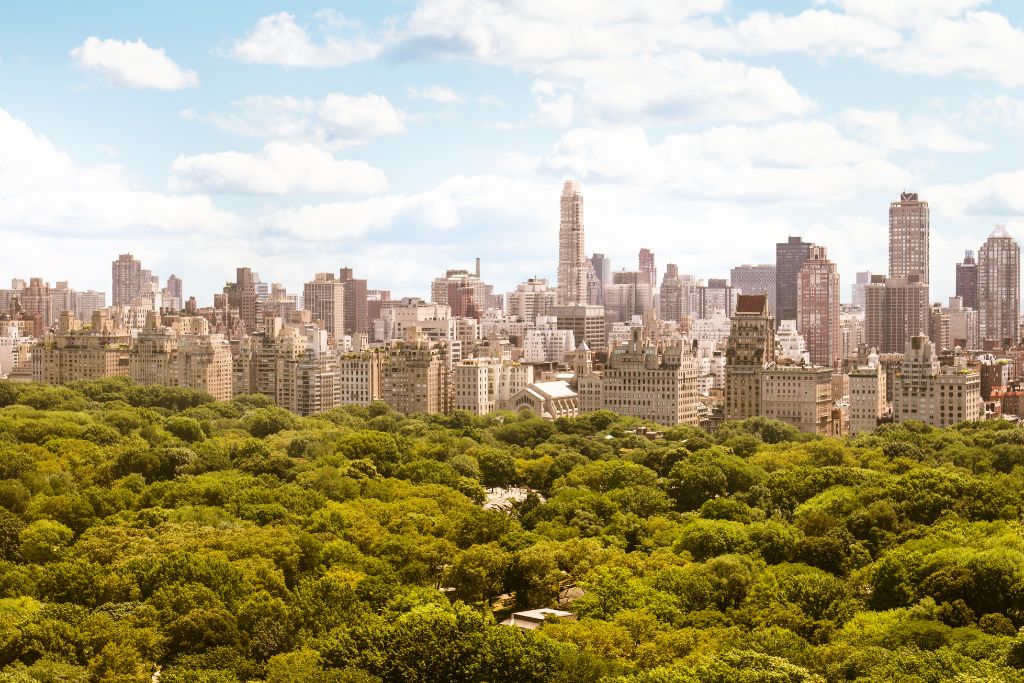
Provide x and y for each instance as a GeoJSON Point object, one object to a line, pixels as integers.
{"type": "Point", "coordinates": [145, 527]}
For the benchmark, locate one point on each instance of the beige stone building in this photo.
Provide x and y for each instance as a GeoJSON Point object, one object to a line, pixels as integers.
{"type": "Point", "coordinates": [749, 350]}
{"type": "Point", "coordinates": [183, 354]}
{"type": "Point", "coordinates": [934, 394]}
{"type": "Point", "coordinates": [800, 395]}
{"type": "Point", "coordinates": [867, 396]}
{"type": "Point", "coordinates": [482, 385]}
{"type": "Point", "coordinates": [547, 400]}
{"type": "Point", "coordinates": [359, 377]}
{"type": "Point", "coordinates": [586, 322]}
{"type": "Point", "coordinates": [656, 383]}
{"type": "Point", "coordinates": [415, 377]}
{"type": "Point", "coordinates": [73, 353]}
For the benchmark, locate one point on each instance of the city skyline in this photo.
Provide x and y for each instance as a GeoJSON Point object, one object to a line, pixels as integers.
{"type": "Point", "coordinates": [399, 140]}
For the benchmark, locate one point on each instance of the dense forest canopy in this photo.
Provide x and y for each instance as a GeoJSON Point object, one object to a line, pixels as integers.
{"type": "Point", "coordinates": [148, 529]}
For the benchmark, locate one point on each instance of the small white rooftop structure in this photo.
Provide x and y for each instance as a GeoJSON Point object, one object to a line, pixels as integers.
{"type": "Point", "coordinates": [531, 619]}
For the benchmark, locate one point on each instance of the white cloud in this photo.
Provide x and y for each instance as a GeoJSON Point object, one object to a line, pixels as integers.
{"type": "Point", "coordinates": [616, 60]}
{"type": "Point", "coordinates": [904, 14]}
{"type": "Point", "coordinates": [807, 161]}
{"type": "Point", "coordinates": [42, 189]}
{"type": "Point", "coordinates": [888, 129]}
{"type": "Point", "coordinates": [278, 39]}
{"type": "Point", "coordinates": [442, 207]}
{"type": "Point", "coordinates": [812, 31]}
{"type": "Point", "coordinates": [133, 64]}
{"type": "Point", "coordinates": [280, 168]}
{"type": "Point", "coordinates": [979, 44]}
{"type": "Point", "coordinates": [337, 121]}
{"type": "Point", "coordinates": [435, 93]}
{"type": "Point", "coordinates": [1001, 110]}
{"type": "Point", "coordinates": [997, 195]}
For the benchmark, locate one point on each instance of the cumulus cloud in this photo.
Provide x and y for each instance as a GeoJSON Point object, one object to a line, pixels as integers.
{"type": "Point", "coordinates": [633, 59]}
{"type": "Point", "coordinates": [43, 189]}
{"type": "Point", "coordinates": [336, 121]}
{"type": "Point", "coordinates": [888, 129]}
{"type": "Point", "coordinates": [279, 39]}
{"type": "Point", "coordinates": [280, 168]}
{"type": "Point", "coordinates": [133, 64]}
{"type": "Point", "coordinates": [1000, 194]}
{"type": "Point", "coordinates": [808, 161]}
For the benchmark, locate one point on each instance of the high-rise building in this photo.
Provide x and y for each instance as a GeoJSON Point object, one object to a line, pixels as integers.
{"type": "Point", "coordinates": [908, 237]}
{"type": "Point", "coordinates": [530, 299]}
{"type": "Point", "coordinates": [963, 325]}
{"type": "Point", "coordinates": [867, 396]}
{"type": "Point", "coordinates": [857, 288]}
{"type": "Point", "coordinates": [750, 349]}
{"type": "Point", "coordinates": [602, 268]}
{"type": "Point", "coordinates": [37, 303]}
{"type": "Point", "coordinates": [652, 382]}
{"type": "Point", "coordinates": [967, 280]}
{"type": "Point", "coordinates": [759, 279]}
{"type": "Point", "coordinates": [184, 354]}
{"type": "Point", "coordinates": [355, 299]}
{"type": "Point", "coordinates": [482, 385]}
{"type": "Point", "coordinates": [936, 395]}
{"type": "Point", "coordinates": [800, 395]}
{"type": "Point", "coordinates": [324, 298]}
{"type": "Point", "coordinates": [464, 292]}
{"type": "Point", "coordinates": [586, 322]}
{"type": "Point", "coordinates": [818, 307]}
{"type": "Point", "coordinates": [72, 353]}
{"type": "Point", "coordinates": [628, 295]}
{"type": "Point", "coordinates": [647, 268]}
{"type": "Point", "coordinates": [999, 289]}
{"type": "Point", "coordinates": [172, 294]}
{"type": "Point", "coordinates": [713, 296]}
{"type": "Point", "coordinates": [125, 280]}
{"type": "Point", "coordinates": [895, 309]}
{"type": "Point", "coordinates": [359, 377]}
{"type": "Point", "coordinates": [676, 294]}
{"type": "Point", "coordinates": [242, 294]}
{"type": "Point", "coordinates": [572, 272]}
{"type": "Point", "coordinates": [789, 259]}
{"type": "Point", "coordinates": [416, 377]}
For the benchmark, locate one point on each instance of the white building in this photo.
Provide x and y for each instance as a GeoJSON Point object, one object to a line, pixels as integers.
{"type": "Point", "coordinates": [482, 385]}
{"type": "Point", "coordinates": [790, 344]}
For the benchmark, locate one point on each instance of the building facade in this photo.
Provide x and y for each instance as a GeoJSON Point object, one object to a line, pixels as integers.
{"type": "Point", "coordinates": [999, 289]}
{"type": "Point", "coordinates": [572, 272]}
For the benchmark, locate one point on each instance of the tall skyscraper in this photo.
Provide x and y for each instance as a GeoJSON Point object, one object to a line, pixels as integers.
{"type": "Point", "coordinates": [999, 288]}
{"type": "Point", "coordinates": [857, 288]}
{"type": "Point", "coordinates": [895, 309]}
{"type": "Point", "coordinates": [324, 298]}
{"type": "Point", "coordinates": [125, 280]}
{"type": "Point", "coordinates": [241, 294]}
{"type": "Point", "coordinates": [602, 268]}
{"type": "Point", "coordinates": [967, 280]}
{"type": "Point", "coordinates": [789, 259]}
{"type": "Point", "coordinates": [572, 271]}
{"type": "Point", "coordinates": [647, 267]}
{"type": "Point", "coordinates": [675, 295]}
{"type": "Point", "coordinates": [818, 307]}
{"type": "Point", "coordinates": [758, 279]}
{"type": "Point", "coordinates": [750, 349]}
{"type": "Point", "coordinates": [356, 302]}
{"type": "Point", "coordinates": [908, 237]}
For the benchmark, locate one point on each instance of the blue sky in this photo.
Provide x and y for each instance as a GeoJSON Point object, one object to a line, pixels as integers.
{"type": "Point", "coordinates": [405, 138]}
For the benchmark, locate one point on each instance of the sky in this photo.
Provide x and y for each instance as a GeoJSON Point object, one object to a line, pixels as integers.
{"type": "Point", "coordinates": [406, 138]}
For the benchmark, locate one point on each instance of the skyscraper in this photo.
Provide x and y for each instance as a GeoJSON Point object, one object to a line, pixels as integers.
{"type": "Point", "coordinates": [125, 280]}
{"type": "Point", "coordinates": [750, 349]}
{"type": "Point", "coordinates": [908, 237]}
{"type": "Point", "coordinates": [895, 309]}
{"type": "Point", "coordinates": [675, 294]}
{"type": "Point", "coordinates": [967, 280]}
{"type": "Point", "coordinates": [572, 272]}
{"type": "Point", "coordinates": [758, 279]}
{"type": "Point", "coordinates": [241, 294]}
{"type": "Point", "coordinates": [647, 267]}
{"type": "Point", "coordinates": [789, 258]}
{"type": "Point", "coordinates": [818, 307]}
{"type": "Point", "coordinates": [324, 298]}
{"type": "Point", "coordinates": [999, 288]}
{"type": "Point", "coordinates": [356, 298]}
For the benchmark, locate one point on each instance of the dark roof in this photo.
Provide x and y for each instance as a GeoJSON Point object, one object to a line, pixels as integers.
{"type": "Point", "coordinates": [752, 303]}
